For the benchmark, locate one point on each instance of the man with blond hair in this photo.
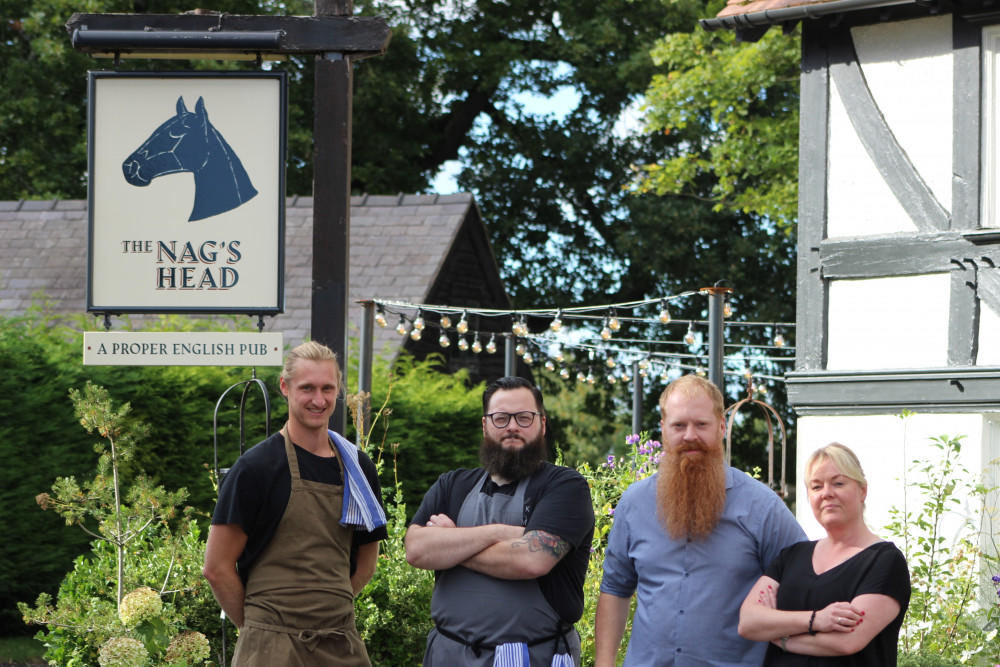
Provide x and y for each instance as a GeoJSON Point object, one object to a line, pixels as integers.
{"type": "Point", "coordinates": [295, 533]}
{"type": "Point", "coordinates": [692, 561]}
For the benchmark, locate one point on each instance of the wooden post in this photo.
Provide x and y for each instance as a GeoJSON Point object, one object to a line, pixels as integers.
{"type": "Point", "coordinates": [334, 92]}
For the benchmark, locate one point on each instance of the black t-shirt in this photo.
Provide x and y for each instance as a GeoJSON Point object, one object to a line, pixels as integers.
{"type": "Point", "coordinates": [879, 569]}
{"type": "Point", "coordinates": [556, 500]}
{"type": "Point", "coordinates": [255, 491]}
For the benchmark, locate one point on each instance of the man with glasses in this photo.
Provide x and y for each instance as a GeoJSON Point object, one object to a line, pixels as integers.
{"type": "Point", "coordinates": [509, 543]}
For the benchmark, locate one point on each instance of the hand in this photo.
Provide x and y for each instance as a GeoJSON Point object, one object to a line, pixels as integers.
{"type": "Point", "coordinates": [838, 617]}
{"type": "Point", "coordinates": [440, 521]}
{"type": "Point", "coordinates": [768, 597]}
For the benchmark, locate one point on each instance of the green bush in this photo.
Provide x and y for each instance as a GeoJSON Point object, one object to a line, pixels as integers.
{"type": "Point", "coordinates": [40, 440]}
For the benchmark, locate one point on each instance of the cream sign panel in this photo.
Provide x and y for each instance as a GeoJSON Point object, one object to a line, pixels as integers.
{"type": "Point", "coordinates": [186, 192]}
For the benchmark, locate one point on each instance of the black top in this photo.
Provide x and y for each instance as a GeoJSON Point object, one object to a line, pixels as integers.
{"type": "Point", "coordinates": [879, 569]}
{"type": "Point", "coordinates": [556, 500]}
{"type": "Point", "coordinates": [255, 492]}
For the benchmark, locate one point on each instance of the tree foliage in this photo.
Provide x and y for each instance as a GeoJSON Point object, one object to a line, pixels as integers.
{"type": "Point", "coordinates": [735, 108]}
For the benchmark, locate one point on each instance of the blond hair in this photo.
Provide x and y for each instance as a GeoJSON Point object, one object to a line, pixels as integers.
{"type": "Point", "coordinates": [691, 385]}
{"type": "Point", "coordinates": [310, 351]}
{"type": "Point", "coordinates": [842, 457]}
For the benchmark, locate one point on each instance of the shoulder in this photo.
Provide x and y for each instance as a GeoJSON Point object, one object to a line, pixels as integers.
{"type": "Point", "coordinates": [740, 482]}
{"type": "Point", "coordinates": [264, 456]}
{"type": "Point", "coordinates": [642, 492]}
{"type": "Point", "coordinates": [550, 477]}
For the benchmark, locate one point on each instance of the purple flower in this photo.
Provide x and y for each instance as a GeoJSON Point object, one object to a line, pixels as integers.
{"type": "Point", "coordinates": [653, 444]}
{"type": "Point", "coordinates": [610, 462]}
{"type": "Point", "coordinates": [632, 439]}
{"type": "Point", "coordinates": [996, 578]}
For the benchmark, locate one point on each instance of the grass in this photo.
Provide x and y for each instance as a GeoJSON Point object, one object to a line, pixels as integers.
{"type": "Point", "coordinates": [21, 649]}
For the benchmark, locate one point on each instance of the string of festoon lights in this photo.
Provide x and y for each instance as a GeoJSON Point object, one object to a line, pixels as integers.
{"type": "Point", "coordinates": [591, 343]}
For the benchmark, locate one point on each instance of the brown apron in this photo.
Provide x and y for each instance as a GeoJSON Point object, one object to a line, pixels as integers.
{"type": "Point", "coordinates": [299, 606]}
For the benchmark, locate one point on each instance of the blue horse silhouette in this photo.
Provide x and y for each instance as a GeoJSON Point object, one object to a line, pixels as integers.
{"type": "Point", "coordinates": [188, 142]}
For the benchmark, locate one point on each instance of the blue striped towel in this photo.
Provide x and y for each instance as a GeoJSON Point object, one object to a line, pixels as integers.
{"type": "Point", "coordinates": [515, 654]}
{"type": "Point", "coordinates": [361, 507]}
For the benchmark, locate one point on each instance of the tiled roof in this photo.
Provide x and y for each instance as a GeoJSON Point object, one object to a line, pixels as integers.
{"type": "Point", "coordinates": [403, 248]}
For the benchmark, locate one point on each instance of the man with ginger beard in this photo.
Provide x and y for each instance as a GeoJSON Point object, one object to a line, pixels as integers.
{"type": "Point", "coordinates": [509, 544]}
{"type": "Point", "coordinates": [692, 561]}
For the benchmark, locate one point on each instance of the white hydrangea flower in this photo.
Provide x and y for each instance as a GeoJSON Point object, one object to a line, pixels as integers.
{"type": "Point", "coordinates": [141, 604]}
{"type": "Point", "coordinates": [123, 652]}
{"type": "Point", "coordinates": [191, 647]}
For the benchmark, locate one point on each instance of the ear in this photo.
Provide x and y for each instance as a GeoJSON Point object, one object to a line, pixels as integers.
{"type": "Point", "coordinates": [180, 106]}
{"type": "Point", "coordinates": [199, 108]}
{"type": "Point", "coordinates": [283, 386]}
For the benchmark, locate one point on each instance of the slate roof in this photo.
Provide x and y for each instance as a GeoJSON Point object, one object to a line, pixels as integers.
{"type": "Point", "coordinates": [417, 248]}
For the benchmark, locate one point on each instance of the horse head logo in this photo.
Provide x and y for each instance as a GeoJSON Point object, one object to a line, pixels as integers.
{"type": "Point", "coordinates": [188, 142]}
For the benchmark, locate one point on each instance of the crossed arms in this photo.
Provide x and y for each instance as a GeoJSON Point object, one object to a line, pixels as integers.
{"type": "Point", "coordinates": [498, 550]}
{"type": "Point", "coordinates": [842, 628]}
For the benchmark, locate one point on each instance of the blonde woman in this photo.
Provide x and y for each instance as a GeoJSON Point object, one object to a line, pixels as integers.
{"type": "Point", "coordinates": [839, 600]}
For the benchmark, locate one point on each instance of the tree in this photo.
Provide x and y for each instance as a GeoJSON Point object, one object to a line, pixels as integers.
{"type": "Point", "coordinates": [736, 107]}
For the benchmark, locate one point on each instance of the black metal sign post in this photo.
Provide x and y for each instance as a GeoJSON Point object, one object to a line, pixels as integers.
{"type": "Point", "coordinates": [337, 39]}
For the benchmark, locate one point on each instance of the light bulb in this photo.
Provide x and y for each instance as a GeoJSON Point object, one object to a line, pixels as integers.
{"type": "Point", "coordinates": [445, 322]}
{"type": "Point", "coordinates": [779, 341]}
{"type": "Point", "coordinates": [644, 363]}
{"type": "Point", "coordinates": [564, 373]}
{"type": "Point", "coordinates": [643, 371]}
{"type": "Point", "coordinates": [700, 371]}
{"type": "Point", "coordinates": [611, 378]}
{"type": "Point", "coordinates": [415, 333]}
{"type": "Point", "coordinates": [610, 362]}
{"type": "Point", "coordinates": [614, 323]}
{"type": "Point", "coordinates": [528, 358]}
{"type": "Point", "coordinates": [550, 365]}
{"type": "Point", "coordinates": [581, 377]}
{"type": "Point", "coordinates": [444, 341]}
{"type": "Point", "coordinates": [590, 378]}
{"type": "Point", "coordinates": [463, 344]}
{"type": "Point", "coordinates": [380, 318]}
{"type": "Point", "coordinates": [463, 324]}
{"type": "Point", "coordinates": [664, 376]}
{"type": "Point", "coordinates": [689, 337]}
{"type": "Point", "coordinates": [556, 324]}
{"type": "Point", "coordinates": [418, 323]}
{"type": "Point", "coordinates": [747, 374]}
{"type": "Point", "coordinates": [727, 309]}
{"type": "Point", "coordinates": [606, 331]}
{"type": "Point", "coordinates": [519, 349]}
{"type": "Point", "coordinates": [401, 327]}
{"type": "Point", "coordinates": [477, 347]}
{"type": "Point", "coordinates": [491, 347]}
{"type": "Point", "coordinates": [664, 313]}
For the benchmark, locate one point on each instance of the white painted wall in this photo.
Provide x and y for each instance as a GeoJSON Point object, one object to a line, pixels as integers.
{"type": "Point", "coordinates": [899, 322]}
{"type": "Point", "coordinates": [887, 445]}
{"type": "Point", "coordinates": [989, 337]}
{"type": "Point", "coordinates": [908, 67]}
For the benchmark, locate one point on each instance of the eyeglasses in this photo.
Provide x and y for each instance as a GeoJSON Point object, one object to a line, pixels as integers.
{"type": "Point", "coordinates": [522, 419]}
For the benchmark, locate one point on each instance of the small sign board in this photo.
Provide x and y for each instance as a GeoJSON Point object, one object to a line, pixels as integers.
{"type": "Point", "coordinates": [186, 192]}
{"type": "Point", "coordinates": [150, 348]}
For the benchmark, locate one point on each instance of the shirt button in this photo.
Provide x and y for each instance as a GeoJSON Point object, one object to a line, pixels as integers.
{"type": "Point", "coordinates": [686, 574]}
{"type": "Point", "coordinates": [678, 649]}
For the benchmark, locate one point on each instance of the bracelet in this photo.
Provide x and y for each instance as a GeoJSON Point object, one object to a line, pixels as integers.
{"type": "Point", "coordinates": [811, 619]}
{"type": "Point", "coordinates": [784, 643]}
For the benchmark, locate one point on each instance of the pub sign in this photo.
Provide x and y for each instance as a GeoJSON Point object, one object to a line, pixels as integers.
{"type": "Point", "coordinates": [186, 192]}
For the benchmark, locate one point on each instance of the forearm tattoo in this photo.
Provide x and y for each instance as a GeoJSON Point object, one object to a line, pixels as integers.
{"type": "Point", "coordinates": [539, 540]}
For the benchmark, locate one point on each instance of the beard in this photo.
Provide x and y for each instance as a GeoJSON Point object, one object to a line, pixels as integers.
{"type": "Point", "coordinates": [512, 464]}
{"type": "Point", "coordinates": [691, 492]}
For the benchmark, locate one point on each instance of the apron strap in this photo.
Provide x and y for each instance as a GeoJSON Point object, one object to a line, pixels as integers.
{"type": "Point", "coordinates": [309, 638]}
{"type": "Point", "coordinates": [478, 647]}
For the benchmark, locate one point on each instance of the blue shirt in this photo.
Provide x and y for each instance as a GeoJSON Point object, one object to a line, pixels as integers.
{"type": "Point", "coordinates": [689, 592]}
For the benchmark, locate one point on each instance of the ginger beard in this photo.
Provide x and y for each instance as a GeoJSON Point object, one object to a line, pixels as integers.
{"type": "Point", "coordinates": [512, 463]}
{"type": "Point", "coordinates": [691, 492]}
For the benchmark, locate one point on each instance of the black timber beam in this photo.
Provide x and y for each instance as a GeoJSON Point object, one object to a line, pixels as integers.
{"type": "Point", "coordinates": [356, 36]}
{"type": "Point", "coordinates": [935, 390]}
